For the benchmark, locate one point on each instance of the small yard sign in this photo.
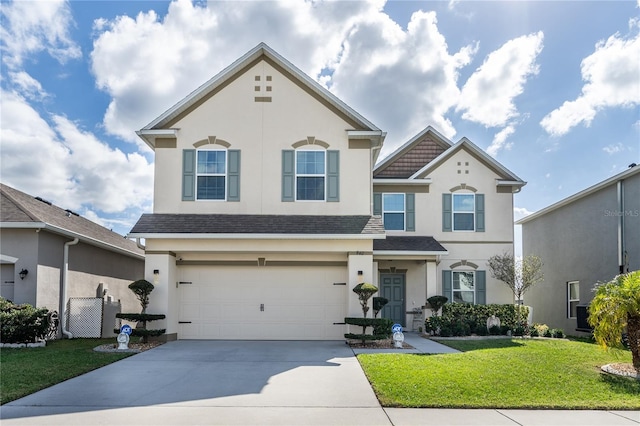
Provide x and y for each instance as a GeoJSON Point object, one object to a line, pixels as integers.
{"type": "Point", "coordinates": [126, 329]}
{"type": "Point", "coordinates": [396, 328]}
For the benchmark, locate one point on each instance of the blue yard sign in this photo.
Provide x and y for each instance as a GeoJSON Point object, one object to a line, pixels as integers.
{"type": "Point", "coordinates": [396, 328]}
{"type": "Point", "coordinates": [126, 329]}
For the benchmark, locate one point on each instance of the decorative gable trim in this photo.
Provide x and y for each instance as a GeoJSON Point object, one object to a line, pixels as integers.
{"type": "Point", "coordinates": [463, 262]}
{"type": "Point", "coordinates": [463, 186]}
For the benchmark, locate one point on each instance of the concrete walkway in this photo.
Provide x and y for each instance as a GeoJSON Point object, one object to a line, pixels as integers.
{"type": "Point", "coordinates": [419, 343]}
{"type": "Point", "coordinates": [254, 383]}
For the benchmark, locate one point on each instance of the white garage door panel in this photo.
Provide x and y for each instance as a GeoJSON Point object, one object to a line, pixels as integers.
{"type": "Point", "coordinates": [298, 303]}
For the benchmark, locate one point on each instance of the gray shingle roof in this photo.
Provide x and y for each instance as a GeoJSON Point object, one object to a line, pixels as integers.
{"type": "Point", "coordinates": [408, 244]}
{"type": "Point", "coordinates": [256, 224]}
{"type": "Point", "coordinates": [18, 207]}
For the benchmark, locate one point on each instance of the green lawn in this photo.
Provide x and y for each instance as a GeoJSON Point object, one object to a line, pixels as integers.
{"type": "Point", "coordinates": [504, 374]}
{"type": "Point", "coordinates": [24, 371]}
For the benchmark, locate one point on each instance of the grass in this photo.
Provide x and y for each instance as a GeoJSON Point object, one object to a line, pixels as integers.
{"type": "Point", "coordinates": [551, 374]}
{"type": "Point", "coordinates": [24, 371]}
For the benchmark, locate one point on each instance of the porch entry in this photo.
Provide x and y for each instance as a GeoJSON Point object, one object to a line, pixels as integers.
{"type": "Point", "coordinates": [392, 288]}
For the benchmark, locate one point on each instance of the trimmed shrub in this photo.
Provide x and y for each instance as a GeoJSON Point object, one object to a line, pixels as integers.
{"type": "Point", "coordinates": [547, 333]}
{"type": "Point", "coordinates": [557, 333]}
{"type": "Point", "coordinates": [495, 330]}
{"type": "Point", "coordinates": [381, 328]}
{"type": "Point", "coordinates": [464, 319]}
{"type": "Point", "coordinates": [22, 323]}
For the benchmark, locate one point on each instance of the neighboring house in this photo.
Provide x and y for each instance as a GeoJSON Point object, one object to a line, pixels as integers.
{"type": "Point", "coordinates": [588, 237]}
{"type": "Point", "coordinates": [265, 215]}
{"type": "Point", "coordinates": [47, 251]}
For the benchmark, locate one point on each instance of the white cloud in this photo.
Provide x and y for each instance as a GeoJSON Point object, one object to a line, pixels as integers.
{"type": "Point", "coordinates": [500, 140]}
{"type": "Point", "coordinates": [66, 165]}
{"type": "Point", "coordinates": [148, 63]}
{"type": "Point", "coordinates": [32, 27]}
{"type": "Point", "coordinates": [612, 79]}
{"type": "Point", "coordinates": [27, 85]}
{"type": "Point", "coordinates": [613, 148]}
{"type": "Point", "coordinates": [488, 95]}
{"type": "Point", "coordinates": [520, 212]}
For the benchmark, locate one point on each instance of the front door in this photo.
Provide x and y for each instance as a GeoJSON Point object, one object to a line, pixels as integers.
{"type": "Point", "coordinates": [392, 289]}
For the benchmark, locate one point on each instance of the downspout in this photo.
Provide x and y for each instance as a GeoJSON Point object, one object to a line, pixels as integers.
{"type": "Point", "coordinates": [621, 213]}
{"type": "Point", "coordinates": [63, 296]}
{"type": "Point", "coordinates": [140, 246]}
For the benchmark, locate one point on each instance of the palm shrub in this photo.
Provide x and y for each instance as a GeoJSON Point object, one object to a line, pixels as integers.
{"type": "Point", "coordinates": [142, 289]}
{"type": "Point", "coordinates": [616, 305]}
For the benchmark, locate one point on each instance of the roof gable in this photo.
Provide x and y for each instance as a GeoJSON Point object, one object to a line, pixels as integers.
{"type": "Point", "coordinates": [413, 155]}
{"type": "Point", "coordinates": [20, 210]}
{"type": "Point", "coordinates": [465, 144]}
{"type": "Point", "coordinates": [161, 126]}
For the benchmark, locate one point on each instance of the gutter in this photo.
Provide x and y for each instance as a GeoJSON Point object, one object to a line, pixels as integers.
{"type": "Point", "coordinates": [63, 295]}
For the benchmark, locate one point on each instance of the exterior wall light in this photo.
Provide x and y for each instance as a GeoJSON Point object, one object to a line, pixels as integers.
{"type": "Point", "coordinates": [360, 277]}
{"type": "Point", "coordinates": [156, 276]}
{"type": "Point", "coordinates": [23, 273]}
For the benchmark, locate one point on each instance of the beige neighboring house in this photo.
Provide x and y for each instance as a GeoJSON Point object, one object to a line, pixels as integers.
{"type": "Point", "coordinates": [49, 255]}
{"type": "Point", "coordinates": [588, 237]}
{"type": "Point", "coordinates": [267, 212]}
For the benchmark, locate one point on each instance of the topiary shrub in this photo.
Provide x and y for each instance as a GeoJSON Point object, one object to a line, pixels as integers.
{"type": "Point", "coordinates": [378, 304]}
{"type": "Point", "coordinates": [142, 289]}
{"type": "Point", "coordinates": [22, 323]}
{"type": "Point", "coordinates": [436, 302]}
{"type": "Point", "coordinates": [381, 326]}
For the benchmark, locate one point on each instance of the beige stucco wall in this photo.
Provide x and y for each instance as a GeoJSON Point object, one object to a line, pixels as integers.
{"type": "Point", "coordinates": [261, 130]}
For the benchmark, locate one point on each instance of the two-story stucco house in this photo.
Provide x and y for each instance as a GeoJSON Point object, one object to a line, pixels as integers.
{"type": "Point", "coordinates": [267, 212]}
{"type": "Point", "coordinates": [588, 237]}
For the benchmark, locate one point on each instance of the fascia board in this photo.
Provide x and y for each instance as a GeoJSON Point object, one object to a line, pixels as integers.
{"type": "Point", "coordinates": [168, 236]}
{"type": "Point", "coordinates": [399, 253]}
{"type": "Point", "coordinates": [70, 234]}
{"type": "Point", "coordinates": [416, 182]}
{"type": "Point", "coordinates": [150, 135]}
{"type": "Point", "coordinates": [579, 195]}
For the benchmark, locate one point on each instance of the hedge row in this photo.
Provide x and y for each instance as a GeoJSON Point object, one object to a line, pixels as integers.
{"type": "Point", "coordinates": [464, 319]}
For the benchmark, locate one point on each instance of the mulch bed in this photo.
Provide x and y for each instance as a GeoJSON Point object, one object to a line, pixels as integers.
{"type": "Point", "coordinates": [133, 347]}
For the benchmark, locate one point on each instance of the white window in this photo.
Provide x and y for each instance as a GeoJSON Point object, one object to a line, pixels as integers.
{"type": "Point", "coordinates": [464, 287]}
{"type": "Point", "coordinates": [393, 212]}
{"type": "Point", "coordinates": [573, 298]}
{"type": "Point", "coordinates": [211, 175]}
{"type": "Point", "coordinates": [310, 175]}
{"type": "Point", "coordinates": [464, 207]}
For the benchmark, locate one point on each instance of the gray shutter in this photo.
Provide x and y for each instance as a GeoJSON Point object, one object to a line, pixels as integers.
{"type": "Point", "coordinates": [446, 213]}
{"type": "Point", "coordinates": [333, 176]}
{"type": "Point", "coordinates": [481, 287]}
{"type": "Point", "coordinates": [377, 204]}
{"type": "Point", "coordinates": [479, 212]}
{"type": "Point", "coordinates": [233, 175]}
{"type": "Point", "coordinates": [288, 175]}
{"type": "Point", "coordinates": [447, 285]}
{"type": "Point", "coordinates": [410, 211]}
{"type": "Point", "coordinates": [188, 175]}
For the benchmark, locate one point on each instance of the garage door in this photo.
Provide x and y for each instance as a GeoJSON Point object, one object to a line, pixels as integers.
{"type": "Point", "coordinates": [267, 303]}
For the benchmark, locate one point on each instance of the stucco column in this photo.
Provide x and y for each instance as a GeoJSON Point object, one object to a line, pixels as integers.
{"type": "Point", "coordinates": [163, 298]}
{"type": "Point", "coordinates": [432, 279]}
{"type": "Point", "coordinates": [364, 263]}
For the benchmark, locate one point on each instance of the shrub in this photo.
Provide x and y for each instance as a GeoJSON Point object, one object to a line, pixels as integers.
{"type": "Point", "coordinates": [22, 323]}
{"type": "Point", "coordinates": [142, 289]}
{"type": "Point", "coordinates": [378, 304]}
{"type": "Point", "coordinates": [540, 330]}
{"type": "Point", "coordinates": [558, 333]}
{"type": "Point", "coordinates": [547, 333]}
{"type": "Point", "coordinates": [458, 318]}
{"type": "Point", "coordinates": [495, 330]}
{"type": "Point", "coordinates": [521, 330]}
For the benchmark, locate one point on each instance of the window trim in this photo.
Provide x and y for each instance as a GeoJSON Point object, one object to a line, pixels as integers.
{"type": "Point", "coordinates": [453, 213]}
{"type": "Point", "coordinates": [225, 174]}
{"type": "Point", "coordinates": [570, 300]}
{"type": "Point", "coordinates": [296, 175]}
{"type": "Point", "coordinates": [403, 211]}
{"type": "Point", "coordinates": [453, 289]}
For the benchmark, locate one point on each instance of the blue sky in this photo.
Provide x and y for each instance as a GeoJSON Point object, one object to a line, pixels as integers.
{"type": "Point", "coordinates": [550, 89]}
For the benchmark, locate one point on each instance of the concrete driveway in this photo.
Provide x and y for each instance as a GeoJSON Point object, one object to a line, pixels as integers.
{"type": "Point", "coordinates": [212, 382]}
